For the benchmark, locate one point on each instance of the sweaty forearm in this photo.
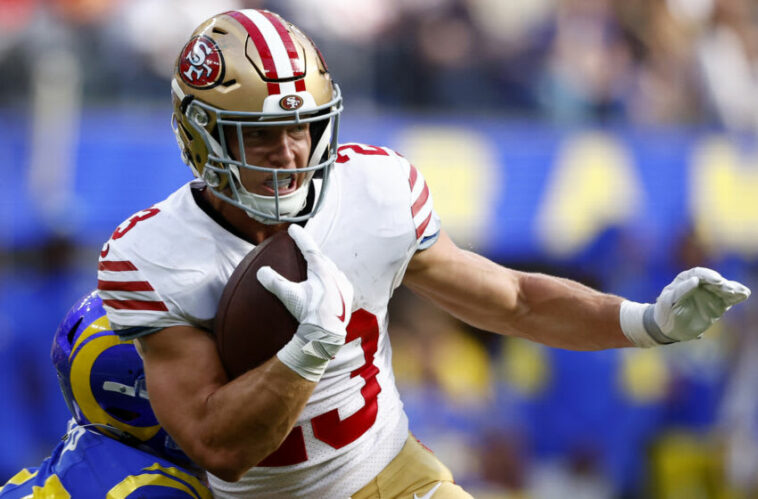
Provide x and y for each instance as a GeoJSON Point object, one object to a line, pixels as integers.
{"type": "Point", "coordinates": [248, 418]}
{"type": "Point", "coordinates": [566, 314]}
{"type": "Point", "coordinates": [258, 409]}
{"type": "Point", "coordinates": [225, 426]}
{"type": "Point", "coordinates": [550, 310]}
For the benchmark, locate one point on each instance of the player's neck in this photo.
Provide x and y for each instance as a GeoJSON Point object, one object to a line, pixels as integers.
{"type": "Point", "coordinates": [245, 226]}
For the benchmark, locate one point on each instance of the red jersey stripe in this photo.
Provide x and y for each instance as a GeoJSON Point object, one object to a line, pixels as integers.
{"type": "Point", "coordinates": [300, 85]}
{"type": "Point", "coordinates": [289, 45]}
{"type": "Point", "coordinates": [421, 201]}
{"type": "Point", "coordinates": [421, 228]}
{"type": "Point", "coordinates": [124, 285]}
{"type": "Point", "coordinates": [157, 306]}
{"type": "Point", "coordinates": [116, 266]}
{"type": "Point", "coordinates": [414, 175]}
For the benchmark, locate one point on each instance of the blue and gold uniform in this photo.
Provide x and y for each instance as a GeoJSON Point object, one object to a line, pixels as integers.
{"type": "Point", "coordinates": [88, 464]}
{"type": "Point", "coordinates": [115, 447]}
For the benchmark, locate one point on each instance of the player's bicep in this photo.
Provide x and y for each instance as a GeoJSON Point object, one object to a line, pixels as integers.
{"type": "Point", "coordinates": [430, 269]}
{"type": "Point", "coordinates": [465, 284]}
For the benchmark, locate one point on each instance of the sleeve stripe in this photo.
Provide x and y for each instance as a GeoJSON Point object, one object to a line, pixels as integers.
{"type": "Point", "coordinates": [158, 306]}
{"type": "Point", "coordinates": [124, 286]}
{"type": "Point", "coordinates": [421, 228]}
{"type": "Point", "coordinates": [420, 201]}
{"type": "Point", "coordinates": [116, 266]}
{"type": "Point", "coordinates": [129, 295]}
{"type": "Point", "coordinates": [413, 176]}
{"type": "Point", "coordinates": [422, 214]}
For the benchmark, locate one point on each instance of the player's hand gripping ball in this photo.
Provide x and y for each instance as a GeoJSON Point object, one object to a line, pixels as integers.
{"type": "Point", "coordinates": [322, 304]}
{"type": "Point", "coordinates": [252, 324]}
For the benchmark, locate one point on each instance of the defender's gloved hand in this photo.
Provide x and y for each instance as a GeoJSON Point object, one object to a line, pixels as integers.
{"type": "Point", "coordinates": [684, 310]}
{"type": "Point", "coordinates": [322, 305]}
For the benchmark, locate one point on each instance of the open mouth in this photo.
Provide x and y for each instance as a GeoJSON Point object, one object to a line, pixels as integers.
{"type": "Point", "coordinates": [284, 184]}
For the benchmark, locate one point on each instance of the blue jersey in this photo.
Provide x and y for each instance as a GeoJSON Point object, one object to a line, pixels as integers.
{"type": "Point", "coordinates": [88, 464]}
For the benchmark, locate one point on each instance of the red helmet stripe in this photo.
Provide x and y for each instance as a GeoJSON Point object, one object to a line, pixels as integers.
{"type": "Point", "coordinates": [269, 66]}
{"type": "Point", "coordinates": [274, 45]}
{"type": "Point", "coordinates": [297, 66]}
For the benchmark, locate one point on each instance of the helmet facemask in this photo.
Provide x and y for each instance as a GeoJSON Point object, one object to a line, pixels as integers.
{"type": "Point", "coordinates": [221, 171]}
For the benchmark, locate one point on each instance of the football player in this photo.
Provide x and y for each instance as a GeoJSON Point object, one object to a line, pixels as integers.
{"type": "Point", "coordinates": [256, 116]}
{"type": "Point", "coordinates": [114, 446]}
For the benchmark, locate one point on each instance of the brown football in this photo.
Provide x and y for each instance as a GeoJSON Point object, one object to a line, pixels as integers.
{"type": "Point", "coordinates": [251, 323]}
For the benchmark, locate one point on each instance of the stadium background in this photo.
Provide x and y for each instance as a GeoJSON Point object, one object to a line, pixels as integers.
{"type": "Point", "coordinates": [608, 141]}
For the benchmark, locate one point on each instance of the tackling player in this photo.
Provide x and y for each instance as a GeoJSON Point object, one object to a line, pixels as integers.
{"type": "Point", "coordinates": [256, 117]}
{"type": "Point", "coordinates": [114, 446]}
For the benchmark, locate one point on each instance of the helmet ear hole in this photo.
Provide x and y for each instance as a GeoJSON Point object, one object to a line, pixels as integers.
{"type": "Point", "coordinates": [72, 331]}
{"type": "Point", "coordinates": [186, 102]}
{"type": "Point", "coordinates": [122, 414]}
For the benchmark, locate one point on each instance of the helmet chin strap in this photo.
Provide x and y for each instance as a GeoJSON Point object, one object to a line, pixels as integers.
{"type": "Point", "coordinates": [322, 144]}
{"type": "Point", "coordinates": [289, 204]}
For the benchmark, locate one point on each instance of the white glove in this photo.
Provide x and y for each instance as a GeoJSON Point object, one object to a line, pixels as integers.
{"type": "Point", "coordinates": [684, 310]}
{"type": "Point", "coordinates": [322, 305]}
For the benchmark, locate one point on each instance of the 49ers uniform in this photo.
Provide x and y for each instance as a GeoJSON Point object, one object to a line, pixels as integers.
{"type": "Point", "coordinates": [168, 265]}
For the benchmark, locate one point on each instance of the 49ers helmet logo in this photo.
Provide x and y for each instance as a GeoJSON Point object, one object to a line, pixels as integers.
{"type": "Point", "coordinates": [201, 64]}
{"type": "Point", "coordinates": [291, 102]}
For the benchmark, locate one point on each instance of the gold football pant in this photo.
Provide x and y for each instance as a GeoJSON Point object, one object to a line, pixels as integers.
{"type": "Point", "coordinates": [415, 473]}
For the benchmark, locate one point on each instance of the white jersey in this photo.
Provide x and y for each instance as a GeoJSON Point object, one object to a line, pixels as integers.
{"type": "Point", "coordinates": [168, 265]}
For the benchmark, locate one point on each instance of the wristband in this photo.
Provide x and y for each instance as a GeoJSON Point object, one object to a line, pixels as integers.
{"type": "Point", "coordinates": [294, 356]}
{"type": "Point", "coordinates": [638, 325]}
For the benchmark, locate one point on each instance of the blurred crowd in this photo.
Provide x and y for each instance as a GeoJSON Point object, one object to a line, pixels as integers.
{"type": "Point", "coordinates": [513, 419]}
{"type": "Point", "coordinates": [571, 61]}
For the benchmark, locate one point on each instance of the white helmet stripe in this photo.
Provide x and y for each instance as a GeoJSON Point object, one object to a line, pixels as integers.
{"type": "Point", "coordinates": [284, 64]}
{"type": "Point", "coordinates": [287, 87]}
{"type": "Point", "coordinates": [298, 64]}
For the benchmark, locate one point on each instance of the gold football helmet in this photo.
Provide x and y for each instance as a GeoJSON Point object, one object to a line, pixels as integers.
{"type": "Point", "coordinates": [252, 68]}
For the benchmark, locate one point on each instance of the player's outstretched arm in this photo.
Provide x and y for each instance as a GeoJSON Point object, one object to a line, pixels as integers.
{"type": "Point", "coordinates": [560, 312]}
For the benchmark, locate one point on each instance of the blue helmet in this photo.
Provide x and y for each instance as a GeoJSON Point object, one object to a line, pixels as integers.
{"type": "Point", "coordinates": [103, 381]}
